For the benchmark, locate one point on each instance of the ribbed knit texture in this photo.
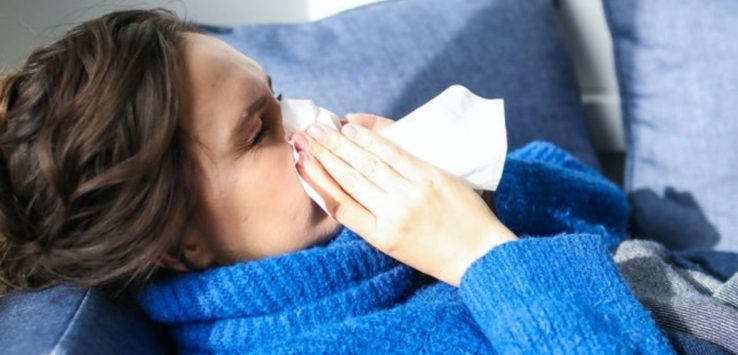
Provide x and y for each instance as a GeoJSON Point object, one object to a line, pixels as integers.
{"type": "Point", "coordinates": [560, 294]}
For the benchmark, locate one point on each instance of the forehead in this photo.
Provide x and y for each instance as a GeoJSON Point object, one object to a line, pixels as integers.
{"type": "Point", "coordinates": [210, 56]}
{"type": "Point", "coordinates": [218, 82]}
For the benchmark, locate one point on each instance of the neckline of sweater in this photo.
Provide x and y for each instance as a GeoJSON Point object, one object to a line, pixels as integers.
{"type": "Point", "coordinates": [276, 284]}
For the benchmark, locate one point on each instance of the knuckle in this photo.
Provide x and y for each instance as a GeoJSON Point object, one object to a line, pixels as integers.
{"type": "Point", "coordinates": [396, 232]}
{"type": "Point", "coordinates": [437, 177]}
{"type": "Point", "coordinates": [366, 141]}
{"type": "Point", "coordinates": [415, 196]}
{"type": "Point", "coordinates": [370, 168]}
{"type": "Point", "coordinates": [399, 159]}
{"type": "Point", "coordinates": [350, 180]}
{"type": "Point", "coordinates": [393, 158]}
{"type": "Point", "coordinates": [433, 177]}
{"type": "Point", "coordinates": [317, 150]}
{"type": "Point", "coordinates": [331, 141]}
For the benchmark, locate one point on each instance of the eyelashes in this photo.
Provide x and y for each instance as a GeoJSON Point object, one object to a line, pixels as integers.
{"type": "Point", "coordinates": [263, 133]}
{"type": "Point", "coordinates": [266, 128]}
{"type": "Point", "coordinates": [247, 145]}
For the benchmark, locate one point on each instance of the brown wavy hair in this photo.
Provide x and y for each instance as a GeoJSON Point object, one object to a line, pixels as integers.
{"type": "Point", "coordinates": [94, 176]}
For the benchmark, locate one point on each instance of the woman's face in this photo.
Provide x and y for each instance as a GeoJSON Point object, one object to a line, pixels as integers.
{"type": "Point", "coordinates": [250, 202]}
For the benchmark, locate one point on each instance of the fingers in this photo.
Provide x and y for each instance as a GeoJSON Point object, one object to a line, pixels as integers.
{"type": "Point", "coordinates": [340, 205]}
{"type": "Point", "coordinates": [407, 165]}
{"type": "Point", "coordinates": [356, 185]}
{"type": "Point", "coordinates": [356, 166]}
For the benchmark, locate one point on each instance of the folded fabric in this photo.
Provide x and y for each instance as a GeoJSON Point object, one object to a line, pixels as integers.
{"type": "Point", "coordinates": [681, 300]}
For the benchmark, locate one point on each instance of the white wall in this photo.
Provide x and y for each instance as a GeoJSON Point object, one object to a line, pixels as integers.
{"type": "Point", "coordinates": [589, 39]}
{"type": "Point", "coordinates": [25, 24]}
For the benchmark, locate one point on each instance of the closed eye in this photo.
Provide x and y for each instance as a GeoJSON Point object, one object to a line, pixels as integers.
{"type": "Point", "coordinates": [263, 132]}
{"type": "Point", "coordinates": [248, 144]}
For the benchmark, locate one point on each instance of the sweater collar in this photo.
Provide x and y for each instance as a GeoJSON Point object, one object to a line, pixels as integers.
{"type": "Point", "coordinates": [346, 269]}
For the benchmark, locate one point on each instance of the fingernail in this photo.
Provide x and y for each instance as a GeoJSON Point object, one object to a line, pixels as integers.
{"type": "Point", "coordinates": [316, 132]}
{"type": "Point", "coordinates": [301, 143]}
{"type": "Point", "coordinates": [344, 121]}
{"type": "Point", "coordinates": [349, 131]}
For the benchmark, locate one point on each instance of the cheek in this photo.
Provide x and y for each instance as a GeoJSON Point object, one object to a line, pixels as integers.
{"type": "Point", "coordinates": [269, 176]}
{"type": "Point", "coordinates": [273, 178]}
{"type": "Point", "coordinates": [294, 202]}
{"type": "Point", "coordinates": [287, 176]}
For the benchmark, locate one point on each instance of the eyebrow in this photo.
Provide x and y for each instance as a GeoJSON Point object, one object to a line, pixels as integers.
{"type": "Point", "coordinates": [241, 127]}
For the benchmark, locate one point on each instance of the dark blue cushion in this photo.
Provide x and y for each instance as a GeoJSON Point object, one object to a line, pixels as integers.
{"type": "Point", "coordinates": [76, 321]}
{"type": "Point", "coordinates": [685, 343]}
{"type": "Point", "coordinates": [678, 71]}
{"type": "Point", "coordinates": [391, 57]}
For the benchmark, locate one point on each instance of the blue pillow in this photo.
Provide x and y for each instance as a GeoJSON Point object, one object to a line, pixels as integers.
{"type": "Point", "coordinates": [69, 320]}
{"type": "Point", "coordinates": [677, 63]}
{"type": "Point", "coordinates": [391, 57]}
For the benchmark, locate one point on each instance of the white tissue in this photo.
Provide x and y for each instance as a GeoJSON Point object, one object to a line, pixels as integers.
{"type": "Point", "coordinates": [459, 132]}
{"type": "Point", "coordinates": [456, 131]}
{"type": "Point", "coordinates": [297, 115]}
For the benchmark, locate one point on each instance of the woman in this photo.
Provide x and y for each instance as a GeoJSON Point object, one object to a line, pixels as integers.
{"type": "Point", "coordinates": [135, 148]}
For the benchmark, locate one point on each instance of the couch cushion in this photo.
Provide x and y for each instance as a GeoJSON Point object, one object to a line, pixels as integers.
{"type": "Point", "coordinates": [391, 57]}
{"type": "Point", "coordinates": [65, 319]}
{"type": "Point", "coordinates": [678, 73]}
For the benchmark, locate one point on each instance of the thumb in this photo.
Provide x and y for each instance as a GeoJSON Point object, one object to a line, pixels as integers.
{"type": "Point", "coordinates": [368, 121]}
{"type": "Point", "coordinates": [361, 119]}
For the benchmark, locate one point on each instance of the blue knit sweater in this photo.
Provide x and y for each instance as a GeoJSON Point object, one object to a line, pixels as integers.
{"type": "Point", "coordinates": [558, 294]}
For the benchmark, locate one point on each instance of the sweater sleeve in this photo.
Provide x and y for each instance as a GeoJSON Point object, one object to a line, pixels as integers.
{"type": "Point", "coordinates": [562, 294]}
{"type": "Point", "coordinates": [545, 191]}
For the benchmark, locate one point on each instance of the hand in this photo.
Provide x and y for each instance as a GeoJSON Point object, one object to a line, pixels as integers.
{"type": "Point", "coordinates": [376, 123]}
{"type": "Point", "coordinates": [416, 213]}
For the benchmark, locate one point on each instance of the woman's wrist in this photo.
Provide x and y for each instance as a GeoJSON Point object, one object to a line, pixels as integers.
{"type": "Point", "coordinates": [494, 236]}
